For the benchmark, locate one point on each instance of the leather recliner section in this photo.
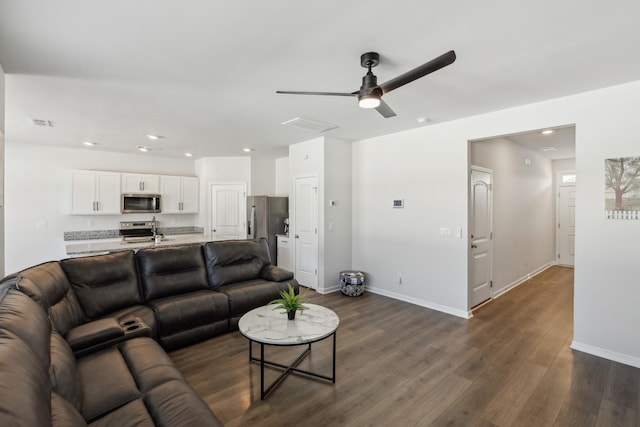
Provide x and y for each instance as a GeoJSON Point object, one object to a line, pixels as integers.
{"type": "Point", "coordinates": [104, 283]}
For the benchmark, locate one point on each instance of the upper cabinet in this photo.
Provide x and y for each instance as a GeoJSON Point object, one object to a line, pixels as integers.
{"type": "Point", "coordinates": [95, 192]}
{"type": "Point", "coordinates": [179, 194]}
{"type": "Point", "coordinates": [140, 183]}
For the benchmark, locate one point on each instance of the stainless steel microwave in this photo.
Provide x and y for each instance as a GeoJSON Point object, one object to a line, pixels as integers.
{"type": "Point", "coordinates": [140, 203]}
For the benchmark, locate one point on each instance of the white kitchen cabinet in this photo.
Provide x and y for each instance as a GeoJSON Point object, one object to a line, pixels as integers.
{"type": "Point", "coordinates": [95, 192]}
{"type": "Point", "coordinates": [180, 194]}
{"type": "Point", "coordinates": [283, 252]}
{"type": "Point", "coordinates": [140, 183]}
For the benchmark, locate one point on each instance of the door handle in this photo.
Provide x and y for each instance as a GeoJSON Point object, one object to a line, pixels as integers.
{"type": "Point", "coordinates": [474, 246]}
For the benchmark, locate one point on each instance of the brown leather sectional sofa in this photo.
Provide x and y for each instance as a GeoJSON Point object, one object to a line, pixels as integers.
{"type": "Point", "coordinates": [83, 341]}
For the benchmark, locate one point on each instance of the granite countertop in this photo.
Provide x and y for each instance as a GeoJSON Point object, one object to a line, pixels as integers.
{"type": "Point", "coordinates": [102, 247]}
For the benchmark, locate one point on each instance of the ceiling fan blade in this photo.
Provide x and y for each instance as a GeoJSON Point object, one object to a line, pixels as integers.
{"type": "Point", "coordinates": [421, 71]}
{"type": "Point", "coordinates": [290, 92]}
{"type": "Point", "coordinates": [385, 110]}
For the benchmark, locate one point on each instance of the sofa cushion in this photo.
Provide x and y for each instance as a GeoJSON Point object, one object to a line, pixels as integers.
{"type": "Point", "coordinates": [134, 413]}
{"type": "Point", "coordinates": [275, 274]}
{"type": "Point", "coordinates": [104, 283]}
{"type": "Point", "coordinates": [234, 261]}
{"type": "Point", "coordinates": [63, 414]}
{"type": "Point", "coordinates": [25, 391]}
{"type": "Point", "coordinates": [171, 271]}
{"type": "Point", "coordinates": [176, 404]}
{"type": "Point", "coordinates": [143, 388]}
{"type": "Point", "coordinates": [63, 373]}
{"type": "Point", "coordinates": [107, 383]}
{"type": "Point", "coordinates": [48, 286]}
{"type": "Point", "coordinates": [190, 310]}
{"type": "Point", "coordinates": [250, 294]}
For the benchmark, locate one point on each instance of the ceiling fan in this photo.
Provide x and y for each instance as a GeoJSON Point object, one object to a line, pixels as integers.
{"type": "Point", "coordinates": [370, 93]}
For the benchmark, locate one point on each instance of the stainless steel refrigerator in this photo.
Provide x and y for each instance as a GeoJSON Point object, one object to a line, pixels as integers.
{"type": "Point", "coordinates": [265, 218]}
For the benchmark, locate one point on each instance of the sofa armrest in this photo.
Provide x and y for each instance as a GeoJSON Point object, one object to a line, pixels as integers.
{"type": "Point", "coordinates": [275, 274]}
{"type": "Point", "coordinates": [98, 334]}
{"type": "Point", "coordinates": [94, 332]}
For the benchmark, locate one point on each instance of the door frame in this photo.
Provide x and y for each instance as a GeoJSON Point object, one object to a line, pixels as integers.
{"type": "Point", "coordinates": [292, 223]}
{"type": "Point", "coordinates": [559, 184]}
{"type": "Point", "coordinates": [469, 227]}
{"type": "Point", "coordinates": [210, 204]}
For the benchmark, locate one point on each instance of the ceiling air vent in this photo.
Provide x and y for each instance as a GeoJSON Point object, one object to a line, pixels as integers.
{"type": "Point", "coordinates": [308, 124]}
{"type": "Point", "coordinates": [42, 123]}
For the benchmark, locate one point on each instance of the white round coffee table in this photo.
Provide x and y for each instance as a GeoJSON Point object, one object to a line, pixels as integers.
{"type": "Point", "coordinates": [268, 325]}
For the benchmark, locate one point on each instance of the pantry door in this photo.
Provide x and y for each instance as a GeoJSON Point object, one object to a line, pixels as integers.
{"type": "Point", "coordinates": [305, 214]}
{"type": "Point", "coordinates": [228, 211]}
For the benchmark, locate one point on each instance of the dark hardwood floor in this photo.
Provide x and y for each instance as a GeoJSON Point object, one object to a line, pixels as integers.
{"type": "Point", "coordinates": [403, 365]}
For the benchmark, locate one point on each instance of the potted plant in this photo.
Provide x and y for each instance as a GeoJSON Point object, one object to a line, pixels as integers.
{"type": "Point", "coordinates": [290, 302]}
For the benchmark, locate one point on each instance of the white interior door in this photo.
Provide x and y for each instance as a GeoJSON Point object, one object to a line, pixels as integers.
{"type": "Point", "coordinates": [480, 236]}
{"type": "Point", "coordinates": [228, 211]}
{"type": "Point", "coordinates": [306, 230]}
{"type": "Point", "coordinates": [566, 224]}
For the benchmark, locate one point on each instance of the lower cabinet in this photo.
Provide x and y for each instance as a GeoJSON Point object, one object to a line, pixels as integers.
{"type": "Point", "coordinates": [283, 252]}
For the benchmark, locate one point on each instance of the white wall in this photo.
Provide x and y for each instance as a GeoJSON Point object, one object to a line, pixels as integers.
{"type": "Point", "coordinates": [337, 218]}
{"type": "Point", "coordinates": [219, 170]}
{"type": "Point", "coordinates": [263, 176]}
{"type": "Point", "coordinates": [37, 191]}
{"type": "Point", "coordinates": [428, 167]}
{"type": "Point", "coordinates": [305, 159]}
{"type": "Point", "coordinates": [563, 165]}
{"type": "Point", "coordinates": [282, 177]}
{"type": "Point", "coordinates": [2, 172]}
{"type": "Point", "coordinates": [330, 161]}
{"type": "Point", "coordinates": [523, 210]}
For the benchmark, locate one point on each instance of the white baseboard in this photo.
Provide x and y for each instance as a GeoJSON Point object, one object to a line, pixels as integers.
{"type": "Point", "coordinates": [427, 304]}
{"type": "Point", "coordinates": [523, 279]}
{"type": "Point", "coordinates": [606, 354]}
{"type": "Point", "coordinates": [328, 290]}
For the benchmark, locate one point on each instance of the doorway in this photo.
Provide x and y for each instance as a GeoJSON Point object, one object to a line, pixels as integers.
{"type": "Point", "coordinates": [228, 211]}
{"type": "Point", "coordinates": [566, 218]}
{"type": "Point", "coordinates": [480, 235]}
{"type": "Point", "coordinates": [524, 206]}
{"type": "Point", "coordinates": [305, 224]}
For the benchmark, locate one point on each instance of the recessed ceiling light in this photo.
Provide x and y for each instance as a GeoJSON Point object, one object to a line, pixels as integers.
{"type": "Point", "coordinates": [422, 120]}
{"type": "Point", "coordinates": [143, 148]}
{"type": "Point", "coordinates": [549, 149]}
{"type": "Point", "coordinates": [248, 150]}
{"type": "Point", "coordinates": [188, 154]}
{"type": "Point", "coordinates": [154, 137]}
{"type": "Point", "coordinates": [89, 143]}
{"type": "Point", "coordinates": [547, 131]}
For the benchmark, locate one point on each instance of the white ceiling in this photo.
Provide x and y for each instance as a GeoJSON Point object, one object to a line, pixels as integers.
{"type": "Point", "coordinates": [203, 73]}
{"type": "Point", "coordinates": [561, 144]}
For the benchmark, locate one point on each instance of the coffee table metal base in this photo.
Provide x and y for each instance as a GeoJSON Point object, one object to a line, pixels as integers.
{"type": "Point", "coordinates": [288, 369]}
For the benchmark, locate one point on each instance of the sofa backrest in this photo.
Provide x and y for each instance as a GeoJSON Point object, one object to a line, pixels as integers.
{"type": "Point", "coordinates": [233, 261]}
{"type": "Point", "coordinates": [40, 381]}
{"type": "Point", "coordinates": [48, 286]}
{"type": "Point", "coordinates": [104, 283]}
{"type": "Point", "coordinates": [171, 270]}
{"type": "Point", "coordinates": [25, 394]}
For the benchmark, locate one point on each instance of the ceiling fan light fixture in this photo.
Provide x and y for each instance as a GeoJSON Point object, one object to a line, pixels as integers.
{"type": "Point", "coordinates": [369, 101]}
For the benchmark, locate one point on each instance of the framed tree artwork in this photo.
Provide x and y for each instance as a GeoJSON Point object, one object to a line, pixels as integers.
{"type": "Point", "coordinates": [622, 188]}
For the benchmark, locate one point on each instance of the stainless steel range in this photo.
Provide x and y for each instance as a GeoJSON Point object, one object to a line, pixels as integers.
{"type": "Point", "coordinates": [138, 231]}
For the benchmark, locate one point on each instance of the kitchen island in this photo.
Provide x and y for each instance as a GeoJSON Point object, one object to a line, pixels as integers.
{"type": "Point", "coordinates": [82, 249]}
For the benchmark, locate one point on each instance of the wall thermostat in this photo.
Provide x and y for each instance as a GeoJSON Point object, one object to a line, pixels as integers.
{"type": "Point", "coordinates": [398, 203]}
